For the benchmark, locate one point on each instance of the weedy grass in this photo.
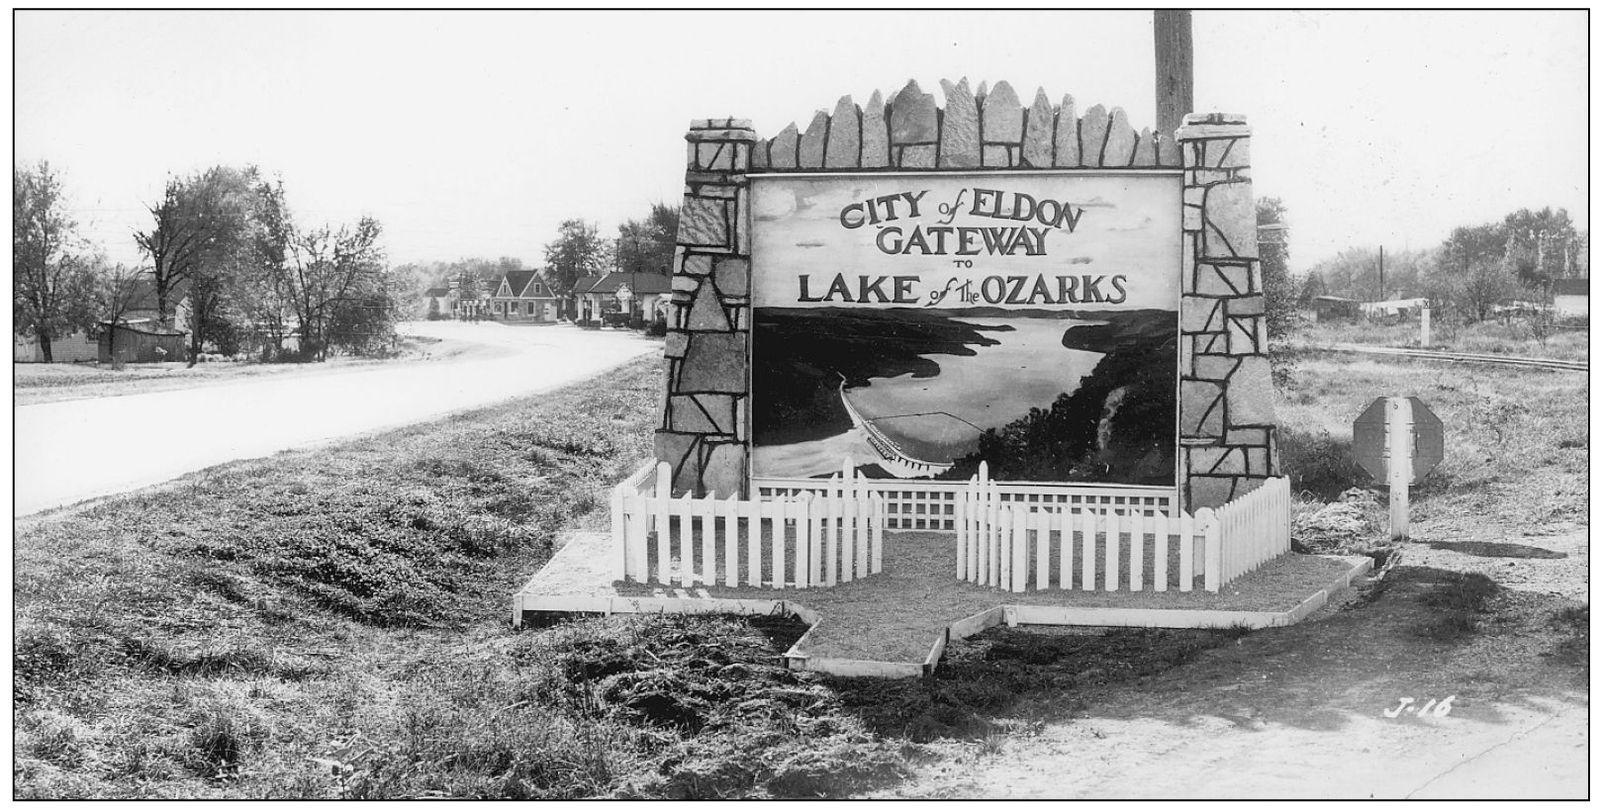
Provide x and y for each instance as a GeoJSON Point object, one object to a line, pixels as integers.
{"type": "Point", "coordinates": [1515, 439]}
{"type": "Point", "coordinates": [1512, 337]}
{"type": "Point", "coordinates": [332, 624]}
{"type": "Point", "coordinates": [1454, 604]}
{"type": "Point", "coordinates": [1573, 649]}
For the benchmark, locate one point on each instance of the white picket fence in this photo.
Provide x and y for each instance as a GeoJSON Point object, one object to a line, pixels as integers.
{"type": "Point", "coordinates": [818, 538]}
{"type": "Point", "coordinates": [1014, 545]}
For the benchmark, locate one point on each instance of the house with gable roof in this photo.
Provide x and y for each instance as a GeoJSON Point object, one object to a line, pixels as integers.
{"type": "Point", "coordinates": [524, 296]}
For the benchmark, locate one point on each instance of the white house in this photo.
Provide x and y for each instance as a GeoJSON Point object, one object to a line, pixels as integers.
{"type": "Point", "coordinates": [1571, 296]}
{"type": "Point", "coordinates": [647, 294]}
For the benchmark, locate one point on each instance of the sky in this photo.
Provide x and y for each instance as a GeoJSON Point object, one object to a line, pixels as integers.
{"type": "Point", "coordinates": [476, 133]}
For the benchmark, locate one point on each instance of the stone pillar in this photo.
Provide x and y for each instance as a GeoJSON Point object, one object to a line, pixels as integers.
{"type": "Point", "coordinates": [704, 431]}
{"type": "Point", "coordinates": [1227, 424]}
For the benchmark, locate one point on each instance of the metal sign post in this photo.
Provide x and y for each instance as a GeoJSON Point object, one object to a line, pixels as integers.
{"type": "Point", "coordinates": [1426, 326]}
{"type": "Point", "coordinates": [1399, 453]}
{"type": "Point", "coordinates": [1398, 440]}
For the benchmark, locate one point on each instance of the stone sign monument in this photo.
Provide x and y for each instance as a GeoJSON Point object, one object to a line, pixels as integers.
{"type": "Point", "coordinates": [1064, 299]}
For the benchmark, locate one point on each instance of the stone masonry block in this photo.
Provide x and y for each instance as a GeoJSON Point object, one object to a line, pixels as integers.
{"type": "Point", "coordinates": [1201, 408]}
{"type": "Point", "coordinates": [681, 452]}
{"type": "Point", "coordinates": [844, 136]}
{"type": "Point", "coordinates": [1249, 393]}
{"type": "Point", "coordinates": [1244, 335]}
{"type": "Point", "coordinates": [733, 277]}
{"type": "Point", "coordinates": [723, 471]}
{"type": "Point", "coordinates": [958, 147]}
{"type": "Point", "coordinates": [696, 264]}
{"type": "Point", "coordinates": [1245, 485]}
{"type": "Point", "coordinates": [1230, 214]}
{"type": "Point", "coordinates": [1248, 305]}
{"type": "Point", "coordinates": [706, 313]}
{"type": "Point", "coordinates": [1205, 491]}
{"type": "Point", "coordinates": [1259, 461]}
{"type": "Point", "coordinates": [718, 410]}
{"type": "Point", "coordinates": [1214, 367]}
{"type": "Point", "coordinates": [715, 362]}
{"type": "Point", "coordinates": [1002, 115]}
{"type": "Point", "coordinates": [704, 222]}
{"type": "Point", "coordinates": [918, 157]}
{"type": "Point", "coordinates": [1200, 314]}
{"type": "Point", "coordinates": [874, 134]}
{"type": "Point", "coordinates": [914, 117]}
{"type": "Point", "coordinates": [1232, 156]}
{"type": "Point", "coordinates": [714, 156]}
{"type": "Point", "coordinates": [996, 156]}
{"type": "Point", "coordinates": [1216, 461]}
{"type": "Point", "coordinates": [812, 144]}
{"type": "Point", "coordinates": [1246, 436]}
{"type": "Point", "coordinates": [676, 343]}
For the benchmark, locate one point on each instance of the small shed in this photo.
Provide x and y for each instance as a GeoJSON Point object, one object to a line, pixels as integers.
{"type": "Point", "coordinates": [1401, 309]}
{"type": "Point", "coordinates": [140, 341]}
{"type": "Point", "coordinates": [1332, 307]}
{"type": "Point", "coordinates": [1571, 296]}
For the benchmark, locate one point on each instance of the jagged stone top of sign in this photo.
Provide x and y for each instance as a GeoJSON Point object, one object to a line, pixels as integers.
{"type": "Point", "coordinates": [988, 128]}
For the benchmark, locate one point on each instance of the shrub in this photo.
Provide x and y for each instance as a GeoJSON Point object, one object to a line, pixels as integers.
{"type": "Point", "coordinates": [1318, 463]}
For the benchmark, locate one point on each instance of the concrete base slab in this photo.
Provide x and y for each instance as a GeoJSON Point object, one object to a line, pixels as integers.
{"type": "Point", "coordinates": [576, 580]}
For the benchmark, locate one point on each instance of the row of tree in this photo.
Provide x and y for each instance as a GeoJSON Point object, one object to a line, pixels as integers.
{"type": "Point", "coordinates": [1474, 271]}
{"type": "Point", "coordinates": [223, 240]}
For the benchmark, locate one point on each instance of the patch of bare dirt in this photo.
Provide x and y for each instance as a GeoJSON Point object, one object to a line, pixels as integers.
{"type": "Point", "coordinates": [1333, 707]}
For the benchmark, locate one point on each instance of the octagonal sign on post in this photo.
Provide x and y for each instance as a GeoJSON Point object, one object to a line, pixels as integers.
{"type": "Point", "coordinates": [1371, 439]}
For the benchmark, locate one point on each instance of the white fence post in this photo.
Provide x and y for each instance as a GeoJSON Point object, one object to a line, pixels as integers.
{"type": "Point", "coordinates": [1090, 522]}
{"type": "Point", "coordinates": [707, 509]}
{"type": "Point", "coordinates": [962, 531]}
{"type": "Point", "coordinates": [1185, 552]}
{"type": "Point", "coordinates": [835, 515]}
{"type": "Point", "coordinates": [779, 511]}
{"type": "Point", "coordinates": [618, 533]}
{"type": "Point", "coordinates": [751, 513]}
{"type": "Point", "coordinates": [878, 513]}
{"type": "Point", "coordinates": [1210, 529]}
{"type": "Point", "coordinates": [729, 510]}
{"type": "Point", "coordinates": [1064, 517]}
{"type": "Point", "coordinates": [1041, 523]}
{"type": "Point", "coordinates": [685, 538]}
{"type": "Point", "coordinates": [638, 538]}
{"type": "Point", "coordinates": [1113, 549]}
{"type": "Point", "coordinates": [1135, 555]}
{"type": "Point", "coordinates": [662, 519]}
{"type": "Point", "coordinates": [1162, 551]}
{"type": "Point", "coordinates": [802, 541]}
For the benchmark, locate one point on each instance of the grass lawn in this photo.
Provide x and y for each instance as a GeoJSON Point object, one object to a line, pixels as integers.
{"type": "Point", "coordinates": [38, 382]}
{"type": "Point", "coordinates": [334, 623]}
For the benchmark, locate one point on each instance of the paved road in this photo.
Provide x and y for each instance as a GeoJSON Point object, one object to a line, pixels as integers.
{"type": "Point", "coordinates": [70, 451]}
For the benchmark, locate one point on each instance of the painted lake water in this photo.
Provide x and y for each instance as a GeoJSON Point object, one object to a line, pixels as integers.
{"type": "Point", "coordinates": [938, 418]}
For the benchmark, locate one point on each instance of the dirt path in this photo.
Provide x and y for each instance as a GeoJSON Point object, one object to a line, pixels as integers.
{"type": "Point", "coordinates": [68, 451]}
{"type": "Point", "coordinates": [1300, 712]}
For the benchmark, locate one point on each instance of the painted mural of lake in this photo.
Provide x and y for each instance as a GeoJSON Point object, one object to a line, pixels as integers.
{"type": "Point", "coordinates": [908, 413]}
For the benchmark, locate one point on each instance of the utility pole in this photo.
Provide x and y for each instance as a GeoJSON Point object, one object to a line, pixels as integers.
{"type": "Point", "coordinates": [1382, 284]}
{"type": "Point", "coordinates": [1174, 69]}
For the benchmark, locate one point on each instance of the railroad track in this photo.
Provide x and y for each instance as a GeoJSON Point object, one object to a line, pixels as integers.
{"type": "Point", "coordinates": [1447, 356]}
